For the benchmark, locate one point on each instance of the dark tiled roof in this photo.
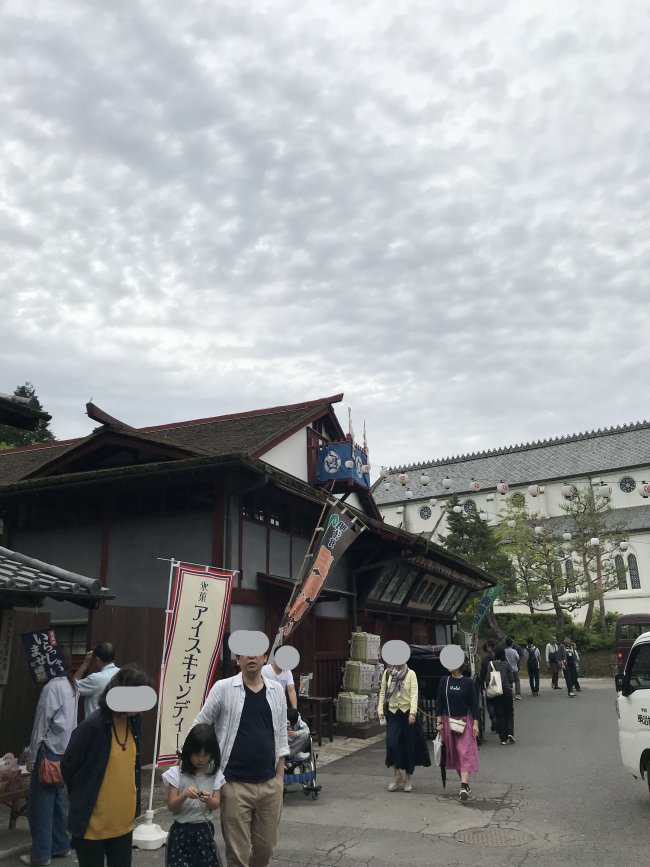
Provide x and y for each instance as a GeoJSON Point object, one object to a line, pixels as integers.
{"type": "Point", "coordinates": [246, 433]}
{"type": "Point", "coordinates": [561, 458]}
{"type": "Point", "coordinates": [22, 574]}
{"type": "Point", "coordinates": [634, 519]}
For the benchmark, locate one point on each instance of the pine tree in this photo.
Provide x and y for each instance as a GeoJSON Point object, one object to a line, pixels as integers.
{"type": "Point", "coordinates": [10, 437]}
{"type": "Point", "coordinates": [470, 537]}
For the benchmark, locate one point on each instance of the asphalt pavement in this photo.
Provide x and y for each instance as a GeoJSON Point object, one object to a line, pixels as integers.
{"type": "Point", "coordinates": [558, 796]}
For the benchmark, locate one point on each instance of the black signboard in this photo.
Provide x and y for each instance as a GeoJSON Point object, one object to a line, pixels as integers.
{"type": "Point", "coordinates": [43, 654]}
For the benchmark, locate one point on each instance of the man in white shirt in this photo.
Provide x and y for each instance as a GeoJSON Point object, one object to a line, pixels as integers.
{"type": "Point", "coordinates": [94, 675]}
{"type": "Point", "coordinates": [272, 671]}
{"type": "Point", "coordinates": [249, 715]}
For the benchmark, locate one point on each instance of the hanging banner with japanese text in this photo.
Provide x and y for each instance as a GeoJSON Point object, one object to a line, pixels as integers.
{"type": "Point", "coordinates": [340, 529]}
{"type": "Point", "coordinates": [43, 655]}
{"type": "Point", "coordinates": [487, 600]}
{"type": "Point", "coordinates": [198, 612]}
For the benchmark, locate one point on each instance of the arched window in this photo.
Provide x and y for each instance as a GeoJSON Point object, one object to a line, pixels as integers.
{"type": "Point", "coordinates": [621, 572]}
{"type": "Point", "coordinates": [570, 577]}
{"type": "Point", "coordinates": [635, 580]}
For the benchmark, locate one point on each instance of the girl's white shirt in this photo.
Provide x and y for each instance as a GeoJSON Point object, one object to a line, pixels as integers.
{"type": "Point", "coordinates": [193, 810]}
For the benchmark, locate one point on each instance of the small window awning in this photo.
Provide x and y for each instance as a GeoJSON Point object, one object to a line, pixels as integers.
{"type": "Point", "coordinates": [25, 581]}
{"type": "Point", "coordinates": [327, 594]}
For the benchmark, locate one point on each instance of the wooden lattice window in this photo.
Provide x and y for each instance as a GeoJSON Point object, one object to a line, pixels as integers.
{"type": "Point", "coordinates": [621, 572]}
{"type": "Point", "coordinates": [635, 580]}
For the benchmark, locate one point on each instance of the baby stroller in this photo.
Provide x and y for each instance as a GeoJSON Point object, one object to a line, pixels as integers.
{"type": "Point", "coordinates": [300, 766]}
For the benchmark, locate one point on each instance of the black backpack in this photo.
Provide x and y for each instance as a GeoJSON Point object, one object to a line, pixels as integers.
{"type": "Point", "coordinates": [533, 662]}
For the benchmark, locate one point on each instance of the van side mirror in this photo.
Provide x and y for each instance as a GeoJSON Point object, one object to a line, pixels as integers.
{"type": "Point", "coordinates": [621, 686]}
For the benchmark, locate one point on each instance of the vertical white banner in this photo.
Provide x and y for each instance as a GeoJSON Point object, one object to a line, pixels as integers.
{"type": "Point", "coordinates": [199, 604]}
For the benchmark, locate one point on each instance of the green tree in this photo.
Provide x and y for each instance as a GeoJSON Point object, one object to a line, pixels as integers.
{"type": "Point", "coordinates": [540, 559]}
{"type": "Point", "coordinates": [11, 437]}
{"type": "Point", "coordinates": [588, 517]}
{"type": "Point", "coordinates": [538, 555]}
{"type": "Point", "coordinates": [470, 537]}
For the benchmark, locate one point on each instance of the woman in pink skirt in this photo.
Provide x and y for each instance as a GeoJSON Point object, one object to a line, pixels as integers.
{"type": "Point", "coordinates": [457, 701]}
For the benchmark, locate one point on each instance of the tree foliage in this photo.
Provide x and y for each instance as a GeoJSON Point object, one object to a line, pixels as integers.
{"type": "Point", "coordinates": [11, 437]}
{"type": "Point", "coordinates": [557, 575]}
{"type": "Point", "coordinates": [469, 537]}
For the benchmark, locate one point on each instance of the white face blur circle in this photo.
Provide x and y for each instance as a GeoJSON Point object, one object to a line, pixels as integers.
{"type": "Point", "coordinates": [286, 658]}
{"type": "Point", "coordinates": [131, 699]}
{"type": "Point", "coordinates": [452, 657]}
{"type": "Point", "coordinates": [247, 642]}
{"type": "Point", "coordinates": [396, 652]}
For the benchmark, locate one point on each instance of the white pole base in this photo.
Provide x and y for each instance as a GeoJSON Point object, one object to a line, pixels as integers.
{"type": "Point", "coordinates": [148, 835]}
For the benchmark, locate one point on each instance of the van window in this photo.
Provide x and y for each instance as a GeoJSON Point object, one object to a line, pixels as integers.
{"type": "Point", "coordinates": [639, 667]}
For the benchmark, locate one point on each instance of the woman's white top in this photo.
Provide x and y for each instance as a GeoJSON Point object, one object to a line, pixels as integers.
{"type": "Point", "coordinates": [193, 810]}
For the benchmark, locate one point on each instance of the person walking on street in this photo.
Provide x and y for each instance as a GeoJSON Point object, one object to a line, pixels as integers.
{"type": "Point", "coordinates": [488, 650]}
{"type": "Point", "coordinates": [569, 665]}
{"type": "Point", "coordinates": [94, 674]}
{"type": "Point", "coordinates": [514, 661]}
{"type": "Point", "coordinates": [406, 746]}
{"type": "Point", "coordinates": [532, 663]}
{"type": "Point", "coordinates": [504, 704]}
{"type": "Point", "coordinates": [54, 722]}
{"type": "Point", "coordinates": [249, 714]}
{"type": "Point", "coordinates": [578, 668]}
{"type": "Point", "coordinates": [457, 719]}
{"type": "Point", "coordinates": [101, 769]}
{"type": "Point", "coordinates": [553, 661]}
{"type": "Point", "coordinates": [193, 795]}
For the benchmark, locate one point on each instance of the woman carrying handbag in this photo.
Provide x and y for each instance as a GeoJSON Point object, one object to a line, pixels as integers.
{"type": "Point", "coordinates": [56, 717]}
{"type": "Point", "coordinates": [457, 718]}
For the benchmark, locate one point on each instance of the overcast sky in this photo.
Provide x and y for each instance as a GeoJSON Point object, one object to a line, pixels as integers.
{"type": "Point", "coordinates": [439, 208]}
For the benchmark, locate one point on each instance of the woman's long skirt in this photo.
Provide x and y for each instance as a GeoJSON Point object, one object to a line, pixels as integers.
{"type": "Point", "coordinates": [406, 746]}
{"type": "Point", "coordinates": [461, 751]}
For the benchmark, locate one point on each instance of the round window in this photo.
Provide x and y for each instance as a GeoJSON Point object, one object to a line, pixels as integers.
{"type": "Point", "coordinates": [627, 484]}
{"type": "Point", "coordinates": [469, 506]}
{"type": "Point", "coordinates": [518, 499]}
{"type": "Point", "coordinates": [425, 513]}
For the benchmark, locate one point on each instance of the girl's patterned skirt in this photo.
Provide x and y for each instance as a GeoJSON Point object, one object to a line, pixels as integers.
{"type": "Point", "coordinates": [192, 844]}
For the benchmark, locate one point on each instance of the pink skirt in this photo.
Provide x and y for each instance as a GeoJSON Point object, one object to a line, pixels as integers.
{"type": "Point", "coordinates": [461, 752]}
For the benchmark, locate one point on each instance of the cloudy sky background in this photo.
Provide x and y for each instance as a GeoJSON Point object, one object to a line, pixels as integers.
{"type": "Point", "coordinates": [440, 209]}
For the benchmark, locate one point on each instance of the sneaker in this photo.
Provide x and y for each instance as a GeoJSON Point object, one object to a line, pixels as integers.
{"type": "Point", "coordinates": [395, 785]}
{"type": "Point", "coordinates": [464, 794]}
{"type": "Point", "coordinates": [504, 743]}
{"type": "Point", "coordinates": [572, 694]}
{"type": "Point", "coordinates": [408, 786]}
{"type": "Point", "coordinates": [518, 697]}
{"type": "Point", "coordinates": [511, 739]}
{"type": "Point", "coordinates": [27, 859]}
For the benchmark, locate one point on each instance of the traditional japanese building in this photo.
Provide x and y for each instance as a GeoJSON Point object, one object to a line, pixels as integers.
{"type": "Point", "coordinates": [241, 491]}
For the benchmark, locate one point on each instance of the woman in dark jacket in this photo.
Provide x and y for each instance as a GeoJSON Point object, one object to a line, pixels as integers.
{"type": "Point", "coordinates": [504, 704]}
{"type": "Point", "coordinates": [101, 769]}
{"type": "Point", "coordinates": [457, 700]}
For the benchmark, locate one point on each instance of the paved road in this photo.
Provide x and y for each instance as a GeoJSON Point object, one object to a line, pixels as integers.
{"type": "Point", "coordinates": [559, 796]}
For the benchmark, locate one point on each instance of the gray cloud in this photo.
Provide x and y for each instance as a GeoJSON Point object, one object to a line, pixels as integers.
{"type": "Point", "coordinates": [441, 211]}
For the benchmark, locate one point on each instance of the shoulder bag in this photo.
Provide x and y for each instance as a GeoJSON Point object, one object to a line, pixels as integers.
{"type": "Point", "coordinates": [495, 685]}
{"type": "Point", "coordinates": [49, 771]}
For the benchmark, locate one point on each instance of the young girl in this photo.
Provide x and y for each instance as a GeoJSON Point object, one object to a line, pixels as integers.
{"type": "Point", "coordinates": [192, 796]}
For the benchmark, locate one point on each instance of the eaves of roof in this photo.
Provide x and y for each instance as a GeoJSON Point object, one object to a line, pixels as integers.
{"type": "Point", "coordinates": [24, 580]}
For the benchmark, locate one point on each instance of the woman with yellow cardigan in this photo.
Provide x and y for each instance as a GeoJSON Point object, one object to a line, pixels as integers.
{"type": "Point", "coordinates": [406, 747]}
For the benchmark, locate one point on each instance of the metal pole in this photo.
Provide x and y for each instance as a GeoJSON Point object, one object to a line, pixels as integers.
{"type": "Point", "coordinates": [172, 564]}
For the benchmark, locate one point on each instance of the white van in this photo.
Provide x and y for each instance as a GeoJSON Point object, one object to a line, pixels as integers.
{"type": "Point", "coordinates": [633, 709]}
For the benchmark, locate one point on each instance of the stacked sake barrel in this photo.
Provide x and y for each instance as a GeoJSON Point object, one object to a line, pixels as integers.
{"type": "Point", "coordinates": [357, 703]}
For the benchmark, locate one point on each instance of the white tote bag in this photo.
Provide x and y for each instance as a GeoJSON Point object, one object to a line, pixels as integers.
{"type": "Point", "coordinates": [495, 686]}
